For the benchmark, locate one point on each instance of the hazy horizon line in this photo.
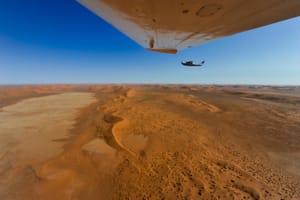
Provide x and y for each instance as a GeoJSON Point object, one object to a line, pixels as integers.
{"type": "Point", "coordinates": [127, 83]}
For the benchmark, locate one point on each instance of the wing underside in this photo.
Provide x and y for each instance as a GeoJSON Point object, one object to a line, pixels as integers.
{"type": "Point", "coordinates": [171, 25]}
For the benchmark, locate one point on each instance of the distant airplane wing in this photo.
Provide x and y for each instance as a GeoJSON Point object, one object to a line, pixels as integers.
{"type": "Point", "coordinates": [171, 25]}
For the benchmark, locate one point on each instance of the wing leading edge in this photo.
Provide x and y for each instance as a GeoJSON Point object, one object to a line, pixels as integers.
{"type": "Point", "coordinates": [171, 25]}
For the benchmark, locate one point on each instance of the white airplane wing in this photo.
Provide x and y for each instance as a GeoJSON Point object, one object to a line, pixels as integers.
{"type": "Point", "coordinates": [171, 25]}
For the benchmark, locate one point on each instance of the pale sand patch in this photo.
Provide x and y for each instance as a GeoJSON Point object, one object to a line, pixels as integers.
{"type": "Point", "coordinates": [29, 128]}
{"type": "Point", "coordinates": [135, 143]}
{"type": "Point", "coordinates": [132, 143]}
{"type": "Point", "coordinates": [288, 161]}
{"type": "Point", "coordinates": [98, 146]}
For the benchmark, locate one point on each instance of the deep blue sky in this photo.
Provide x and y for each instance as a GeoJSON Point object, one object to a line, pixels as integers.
{"type": "Point", "coordinates": [59, 41]}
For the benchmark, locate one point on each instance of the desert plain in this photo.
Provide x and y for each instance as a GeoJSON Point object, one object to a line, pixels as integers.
{"type": "Point", "coordinates": [149, 142]}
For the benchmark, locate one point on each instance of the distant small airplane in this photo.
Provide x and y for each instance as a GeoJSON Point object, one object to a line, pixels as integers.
{"type": "Point", "coordinates": [191, 64]}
